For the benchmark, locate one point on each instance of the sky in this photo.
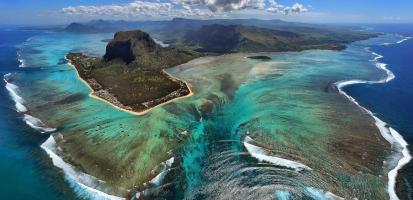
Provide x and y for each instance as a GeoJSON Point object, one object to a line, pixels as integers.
{"type": "Point", "coordinates": [39, 12]}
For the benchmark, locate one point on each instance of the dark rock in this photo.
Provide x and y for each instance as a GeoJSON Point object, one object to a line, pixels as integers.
{"type": "Point", "coordinates": [127, 44]}
{"type": "Point", "coordinates": [260, 57]}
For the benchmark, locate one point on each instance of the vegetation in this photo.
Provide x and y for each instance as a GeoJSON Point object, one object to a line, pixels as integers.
{"type": "Point", "coordinates": [131, 75]}
{"type": "Point", "coordinates": [260, 57]}
{"type": "Point", "coordinates": [238, 38]}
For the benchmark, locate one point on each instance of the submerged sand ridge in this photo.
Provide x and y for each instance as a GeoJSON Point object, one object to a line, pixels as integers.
{"type": "Point", "coordinates": [261, 100]}
{"type": "Point", "coordinates": [286, 105]}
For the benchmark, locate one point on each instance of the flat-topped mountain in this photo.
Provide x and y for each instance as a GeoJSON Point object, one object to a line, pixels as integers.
{"type": "Point", "coordinates": [130, 75]}
{"type": "Point", "coordinates": [235, 35]}
{"type": "Point", "coordinates": [128, 45]}
{"type": "Point", "coordinates": [138, 49]}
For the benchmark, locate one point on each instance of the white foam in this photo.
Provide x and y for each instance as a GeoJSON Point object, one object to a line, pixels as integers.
{"type": "Point", "coordinates": [392, 175]}
{"type": "Point", "coordinates": [84, 181]}
{"type": "Point", "coordinates": [165, 168]}
{"type": "Point", "coordinates": [137, 195]}
{"type": "Point", "coordinates": [14, 93]}
{"type": "Point", "coordinates": [398, 42]}
{"type": "Point", "coordinates": [37, 124]}
{"type": "Point", "coordinates": [157, 180]}
{"type": "Point", "coordinates": [21, 60]}
{"type": "Point", "coordinates": [261, 154]}
{"type": "Point", "coordinates": [403, 40]}
{"type": "Point", "coordinates": [388, 133]}
{"type": "Point", "coordinates": [321, 195]}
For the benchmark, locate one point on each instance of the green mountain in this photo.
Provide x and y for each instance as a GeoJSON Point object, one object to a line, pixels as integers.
{"type": "Point", "coordinates": [130, 75]}
{"type": "Point", "coordinates": [138, 49]}
{"type": "Point", "coordinates": [239, 38]}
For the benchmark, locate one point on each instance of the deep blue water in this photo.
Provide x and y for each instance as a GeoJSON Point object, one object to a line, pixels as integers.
{"type": "Point", "coordinates": [24, 171]}
{"type": "Point", "coordinates": [393, 101]}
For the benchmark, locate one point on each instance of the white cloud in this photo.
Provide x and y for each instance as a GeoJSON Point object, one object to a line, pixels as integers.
{"type": "Point", "coordinates": [179, 8]}
{"type": "Point", "coordinates": [278, 8]}
{"type": "Point", "coordinates": [136, 8]}
{"type": "Point", "coordinates": [224, 5]}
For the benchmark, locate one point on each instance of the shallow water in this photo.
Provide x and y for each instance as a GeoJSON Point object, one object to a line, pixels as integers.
{"type": "Point", "coordinates": [392, 101]}
{"type": "Point", "coordinates": [25, 169]}
{"type": "Point", "coordinates": [288, 106]}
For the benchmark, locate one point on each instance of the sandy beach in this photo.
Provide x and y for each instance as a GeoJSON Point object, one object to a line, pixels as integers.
{"type": "Point", "coordinates": [91, 94]}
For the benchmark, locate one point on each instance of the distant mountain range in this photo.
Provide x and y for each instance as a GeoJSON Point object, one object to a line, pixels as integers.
{"type": "Point", "coordinates": [233, 35]}
{"type": "Point", "coordinates": [130, 75]}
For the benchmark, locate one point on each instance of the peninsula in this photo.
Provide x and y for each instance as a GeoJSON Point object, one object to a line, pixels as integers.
{"type": "Point", "coordinates": [130, 75]}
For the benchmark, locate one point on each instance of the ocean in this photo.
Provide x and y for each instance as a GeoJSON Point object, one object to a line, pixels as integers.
{"type": "Point", "coordinates": [40, 94]}
{"type": "Point", "coordinates": [24, 169]}
{"type": "Point", "coordinates": [392, 101]}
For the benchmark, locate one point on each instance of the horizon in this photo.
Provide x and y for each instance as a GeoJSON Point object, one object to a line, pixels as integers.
{"type": "Point", "coordinates": [46, 25]}
{"type": "Point", "coordinates": [206, 99]}
{"type": "Point", "coordinates": [24, 12]}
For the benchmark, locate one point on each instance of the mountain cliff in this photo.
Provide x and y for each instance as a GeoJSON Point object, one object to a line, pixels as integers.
{"type": "Point", "coordinates": [138, 49]}
{"type": "Point", "coordinates": [130, 75]}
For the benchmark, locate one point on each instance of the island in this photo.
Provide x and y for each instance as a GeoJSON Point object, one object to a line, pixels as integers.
{"type": "Point", "coordinates": [131, 74]}
{"type": "Point", "coordinates": [132, 156]}
{"type": "Point", "coordinates": [260, 57]}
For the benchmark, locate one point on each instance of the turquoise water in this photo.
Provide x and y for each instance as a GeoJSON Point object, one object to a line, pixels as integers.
{"type": "Point", "coordinates": [25, 170]}
{"type": "Point", "coordinates": [393, 100]}
{"type": "Point", "coordinates": [288, 105]}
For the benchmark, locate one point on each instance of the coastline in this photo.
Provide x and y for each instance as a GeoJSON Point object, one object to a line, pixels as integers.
{"type": "Point", "coordinates": [78, 177]}
{"type": "Point", "coordinates": [388, 133]}
{"type": "Point", "coordinates": [185, 96]}
{"type": "Point", "coordinates": [91, 94]}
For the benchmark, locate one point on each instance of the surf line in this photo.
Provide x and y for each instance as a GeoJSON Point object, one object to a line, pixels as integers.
{"type": "Point", "coordinates": [31, 121]}
{"type": "Point", "coordinates": [388, 133]}
{"type": "Point", "coordinates": [82, 180]}
{"type": "Point", "coordinates": [261, 154]}
{"type": "Point", "coordinates": [74, 177]}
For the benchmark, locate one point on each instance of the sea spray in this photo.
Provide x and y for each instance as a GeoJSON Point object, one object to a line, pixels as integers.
{"type": "Point", "coordinates": [14, 93]}
{"type": "Point", "coordinates": [21, 60]}
{"type": "Point", "coordinates": [157, 180]}
{"type": "Point", "coordinates": [165, 168]}
{"type": "Point", "coordinates": [78, 179]}
{"type": "Point", "coordinates": [262, 155]}
{"type": "Point", "coordinates": [33, 122]}
{"type": "Point", "coordinates": [37, 124]}
{"type": "Point", "coordinates": [84, 185]}
{"type": "Point", "coordinates": [318, 194]}
{"type": "Point", "coordinates": [388, 133]}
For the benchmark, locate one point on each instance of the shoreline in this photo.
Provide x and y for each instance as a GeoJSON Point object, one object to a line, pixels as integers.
{"type": "Point", "coordinates": [91, 94]}
{"type": "Point", "coordinates": [387, 132]}
{"type": "Point", "coordinates": [392, 135]}
{"type": "Point", "coordinates": [71, 173]}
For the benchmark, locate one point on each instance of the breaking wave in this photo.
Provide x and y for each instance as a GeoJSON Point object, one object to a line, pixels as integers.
{"type": "Point", "coordinates": [33, 122]}
{"type": "Point", "coordinates": [77, 179]}
{"type": "Point", "coordinates": [388, 133]}
{"type": "Point", "coordinates": [262, 155]}
{"type": "Point", "coordinates": [320, 194]}
{"type": "Point", "coordinates": [157, 180]}
{"type": "Point", "coordinates": [37, 124]}
{"type": "Point", "coordinates": [21, 60]}
{"type": "Point", "coordinates": [14, 94]}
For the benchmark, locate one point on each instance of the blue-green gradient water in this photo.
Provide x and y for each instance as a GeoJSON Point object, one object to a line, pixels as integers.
{"type": "Point", "coordinates": [288, 105]}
